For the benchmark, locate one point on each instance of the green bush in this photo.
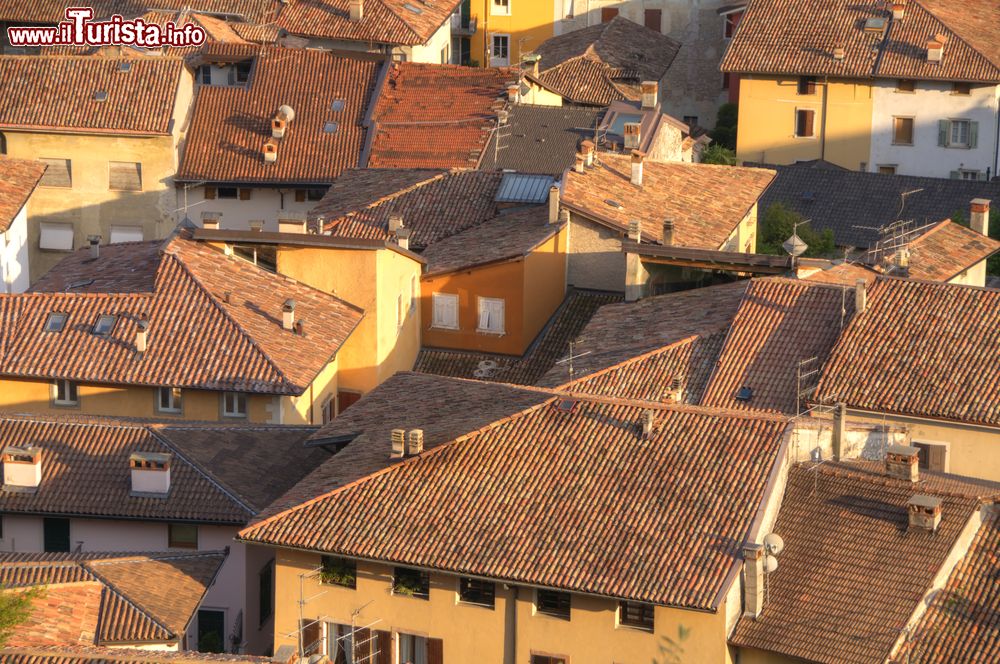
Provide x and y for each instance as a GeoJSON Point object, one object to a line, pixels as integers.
{"type": "Point", "coordinates": [777, 225]}
{"type": "Point", "coordinates": [718, 154]}
{"type": "Point", "coordinates": [15, 608]}
{"type": "Point", "coordinates": [724, 133]}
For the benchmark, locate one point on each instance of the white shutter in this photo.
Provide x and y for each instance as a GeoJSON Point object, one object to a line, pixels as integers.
{"type": "Point", "coordinates": [126, 234]}
{"type": "Point", "coordinates": [58, 237]}
{"type": "Point", "coordinates": [445, 311]}
{"type": "Point", "coordinates": [491, 311]}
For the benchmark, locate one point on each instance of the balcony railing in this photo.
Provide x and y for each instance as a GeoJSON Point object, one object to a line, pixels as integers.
{"type": "Point", "coordinates": [463, 25]}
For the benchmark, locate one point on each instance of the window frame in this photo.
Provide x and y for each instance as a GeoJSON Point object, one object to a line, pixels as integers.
{"type": "Point", "coordinates": [328, 562]}
{"type": "Point", "coordinates": [806, 86]}
{"type": "Point", "coordinates": [961, 88]}
{"type": "Point", "coordinates": [69, 173]}
{"type": "Point", "coordinates": [266, 573]}
{"type": "Point", "coordinates": [101, 323]}
{"type": "Point", "coordinates": [504, 5]}
{"type": "Point", "coordinates": [480, 300]}
{"type": "Point", "coordinates": [137, 164]}
{"type": "Point", "coordinates": [53, 316]}
{"type": "Point", "coordinates": [71, 398]}
{"type": "Point", "coordinates": [640, 623]}
{"type": "Point", "coordinates": [58, 227]}
{"type": "Point", "coordinates": [422, 582]}
{"type": "Point", "coordinates": [176, 400]}
{"type": "Point", "coordinates": [556, 612]}
{"type": "Point", "coordinates": [493, 55]}
{"type": "Point", "coordinates": [477, 592]}
{"type": "Point", "coordinates": [879, 168]}
{"type": "Point", "coordinates": [812, 123]}
{"type": "Point", "coordinates": [234, 197]}
{"type": "Point", "coordinates": [237, 396]}
{"type": "Point", "coordinates": [903, 83]}
{"type": "Point", "coordinates": [913, 126]}
{"type": "Point", "coordinates": [174, 542]}
{"type": "Point", "coordinates": [958, 122]}
{"type": "Point", "coordinates": [435, 323]}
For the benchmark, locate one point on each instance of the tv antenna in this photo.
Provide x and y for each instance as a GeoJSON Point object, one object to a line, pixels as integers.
{"type": "Point", "coordinates": [572, 356]}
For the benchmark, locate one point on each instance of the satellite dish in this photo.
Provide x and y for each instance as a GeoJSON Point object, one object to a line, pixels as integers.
{"type": "Point", "coordinates": [287, 111]}
{"type": "Point", "coordinates": [770, 564]}
{"type": "Point", "coordinates": [795, 246]}
{"type": "Point", "coordinates": [774, 544]}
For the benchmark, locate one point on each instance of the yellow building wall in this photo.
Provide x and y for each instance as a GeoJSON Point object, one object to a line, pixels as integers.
{"type": "Point", "coordinates": [754, 656]}
{"type": "Point", "coordinates": [529, 24]}
{"type": "Point", "coordinates": [545, 282]}
{"type": "Point", "coordinates": [480, 634]}
{"type": "Point", "coordinates": [767, 111]}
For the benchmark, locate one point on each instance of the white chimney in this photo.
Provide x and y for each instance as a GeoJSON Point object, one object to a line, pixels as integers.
{"type": "Point", "coordinates": [979, 220]}
{"type": "Point", "coordinates": [650, 94]}
{"type": "Point", "coordinates": [648, 419]}
{"type": "Point", "coordinates": [580, 160]}
{"type": "Point", "coordinates": [288, 315]}
{"type": "Point", "coordinates": [588, 152]}
{"type": "Point", "coordinates": [140, 335]}
{"type": "Point", "coordinates": [270, 152]}
{"type": "Point", "coordinates": [925, 512]}
{"type": "Point", "coordinates": [95, 246]}
{"type": "Point", "coordinates": [513, 92]}
{"type": "Point", "coordinates": [898, 10]}
{"type": "Point", "coordinates": [278, 126]}
{"type": "Point", "coordinates": [395, 223]}
{"type": "Point", "coordinates": [903, 462]}
{"type": "Point", "coordinates": [633, 135]}
{"type": "Point", "coordinates": [22, 467]}
{"type": "Point", "coordinates": [935, 50]}
{"type": "Point", "coordinates": [403, 238]}
{"type": "Point", "coordinates": [357, 10]}
{"type": "Point", "coordinates": [564, 216]}
{"type": "Point", "coordinates": [150, 473]}
{"type": "Point", "coordinates": [637, 159]}
{"type": "Point", "coordinates": [860, 296]}
{"type": "Point", "coordinates": [415, 442]}
{"type": "Point", "coordinates": [675, 392]}
{"type": "Point", "coordinates": [211, 220]}
{"type": "Point", "coordinates": [634, 230]}
{"type": "Point", "coordinates": [839, 53]}
{"type": "Point", "coordinates": [753, 580]}
{"type": "Point", "coordinates": [554, 204]}
{"type": "Point", "coordinates": [292, 222]}
{"type": "Point", "coordinates": [668, 232]}
{"type": "Point", "coordinates": [398, 443]}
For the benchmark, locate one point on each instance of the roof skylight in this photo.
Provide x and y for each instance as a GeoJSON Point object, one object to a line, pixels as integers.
{"type": "Point", "coordinates": [55, 322]}
{"type": "Point", "coordinates": [105, 323]}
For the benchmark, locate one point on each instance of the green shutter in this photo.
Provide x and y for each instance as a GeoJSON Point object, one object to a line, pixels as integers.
{"type": "Point", "coordinates": [973, 134]}
{"type": "Point", "coordinates": [943, 127]}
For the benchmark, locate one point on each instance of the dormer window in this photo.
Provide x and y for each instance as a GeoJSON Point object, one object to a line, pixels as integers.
{"type": "Point", "coordinates": [330, 128]}
{"type": "Point", "coordinates": [56, 322]}
{"type": "Point", "coordinates": [105, 323]}
{"type": "Point", "coordinates": [65, 393]}
{"type": "Point", "coordinates": [338, 105]}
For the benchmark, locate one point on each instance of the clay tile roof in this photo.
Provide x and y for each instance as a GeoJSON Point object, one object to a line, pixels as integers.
{"type": "Point", "coordinates": [550, 346]}
{"type": "Point", "coordinates": [542, 139]}
{"type": "Point", "coordinates": [843, 274]}
{"type": "Point", "coordinates": [101, 599]}
{"type": "Point", "coordinates": [444, 408]}
{"type": "Point", "coordinates": [918, 349]}
{"type": "Point", "coordinates": [705, 202]}
{"type": "Point", "coordinates": [660, 519]}
{"type": "Point", "coordinates": [960, 624]}
{"type": "Point", "coordinates": [619, 332]}
{"type": "Point", "coordinates": [436, 116]}
{"type": "Point", "coordinates": [508, 236]}
{"type": "Point", "coordinates": [18, 178]}
{"type": "Point", "coordinates": [230, 125]}
{"type": "Point", "coordinates": [948, 249]}
{"type": "Point", "coordinates": [53, 11]}
{"type": "Point", "coordinates": [38, 654]}
{"type": "Point", "coordinates": [852, 572]}
{"type": "Point", "coordinates": [776, 37]}
{"type": "Point", "coordinates": [434, 204]}
{"type": "Point", "coordinates": [400, 22]}
{"type": "Point", "coordinates": [604, 63]}
{"type": "Point", "coordinates": [779, 324]}
{"type": "Point", "coordinates": [56, 93]}
{"type": "Point", "coordinates": [214, 322]}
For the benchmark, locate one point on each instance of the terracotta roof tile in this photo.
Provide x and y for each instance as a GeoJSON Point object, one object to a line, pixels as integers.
{"type": "Point", "coordinates": [36, 654]}
{"type": "Point", "coordinates": [843, 274]}
{"type": "Point", "coordinates": [705, 202]}
{"type": "Point", "coordinates": [929, 350]}
{"type": "Point", "coordinates": [65, 614]}
{"type": "Point", "coordinates": [18, 178]}
{"type": "Point", "coordinates": [852, 573]}
{"type": "Point", "coordinates": [57, 93]}
{"type": "Point", "coordinates": [384, 21]}
{"type": "Point", "coordinates": [230, 125]}
{"type": "Point", "coordinates": [660, 518]}
{"type": "Point", "coordinates": [214, 322]}
{"type": "Point", "coordinates": [436, 116]}
{"type": "Point", "coordinates": [948, 249]}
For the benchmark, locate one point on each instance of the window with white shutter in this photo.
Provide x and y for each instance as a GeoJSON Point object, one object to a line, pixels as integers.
{"type": "Point", "coordinates": [56, 237]}
{"type": "Point", "coordinates": [445, 311]}
{"type": "Point", "coordinates": [121, 234]}
{"type": "Point", "coordinates": [491, 313]}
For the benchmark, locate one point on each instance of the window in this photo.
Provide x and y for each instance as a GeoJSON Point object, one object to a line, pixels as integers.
{"type": "Point", "coordinates": [445, 313]}
{"type": "Point", "coordinates": [124, 176]}
{"type": "Point", "coordinates": [55, 535]}
{"type": "Point", "coordinates": [121, 234]}
{"type": "Point", "coordinates": [205, 74]}
{"type": "Point", "coordinates": [446, 54]}
{"type": "Point", "coordinates": [211, 630]}
{"type": "Point", "coordinates": [105, 323]}
{"type": "Point", "coordinates": [491, 312]}
{"type": "Point", "coordinates": [182, 536]}
{"type": "Point", "coordinates": [413, 649]}
{"type": "Point", "coordinates": [240, 73]}
{"type": "Point", "coordinates": [339, 644]}
{"type": "Point", "coordinates": [932, 456]}
{"type": "Point", "coordinates": [302, 195]}
{"type": "Point", "coordinates": [168, 400]}
{"type": "Point", "coordinates": [608, 14]}
{"type": "Point", "coordinates": [346, 399]}
{"type": "Point", "coordinates": [636, 614]}
{"type": "Point", "coordinates": [965, 174]}
{"type": "Point", "coordinates": [807, 85]}
{"type": "Point", "coordinates": [691, 121]}
{"type": "Point", "coordinates": [902, 131]}
{"type": "Point", "coordinates": [58, 174]}
{"type": "Point", "coordinates": [887, 169]}
{"type": "Point", "coordinates": [553, 603]}
{"type": "Point", "coordinates": [654, 19]}
{"type": "Point", "coordinates": [475, 591]}
{"type": "Point", "coordinates": [804, 123]}
{"type": "Point", "coordinates": [548, 659]}
{"type": "Point", "coordinates": [958, 134]}
{"type": "Point", "coordinates": [339, 572]}
{"type": "Point", "coordinates": [731, 21]}
{"type": "Point", "coordinates": [500, 7]}
{"type": "Point", "coordinates": [234, 404]}
{"type": "Point", "coordinates": [414, 292]}
{"type": "Point", "coordinates": [265, 586]}
{"type": "Point", "coordinates": [227, 192]}
{"type": "Point", "coordinates": [411, 583]}
{"type": "Point", "coordinates": [328, 410]}
{"type": "Point", "coordinates": [500, 53]}
{"type": "Point", "coordinates": [906, 85]}
{"type": "Point", "coordinates": [66, 393]}
{"type": "Point", "coordinates": [55, 322]}
{"type": "Point", "coordinates": [400, 311]}
{"type": "Point", "coordinates": [55, 236]}
{"type": "Point", "coordinates": [961, 88]}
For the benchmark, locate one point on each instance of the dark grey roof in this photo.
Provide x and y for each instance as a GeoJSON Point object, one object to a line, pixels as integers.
{"type": "Point", "coordinates": [853, 204]}
{"type": "Point", "coordinates": [541, 139]}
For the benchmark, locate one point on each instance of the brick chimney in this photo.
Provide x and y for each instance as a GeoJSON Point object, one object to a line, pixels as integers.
{"type": "Point", "coordinates": [513, 92]}
{"type": "Point", "coordinates": [415, 442]}
{"type": "Point", "coordinates": [398, 444]}
{"type": "Point", "coordinates": [95, 246]}
{"type": "Point", "coordinates": [668, 232]}
{"type": "Point", "coordinates": [288, 315]}
{"type": "Point", "coordinates": [903, 462]}
{"type": "Point", "coordinates": [211, 220]}
{"type": "Point", "coordinates": [22, 467]}
{"type": "Point", "coordinates": [753, 580]}
{"type": "Point", "coordinates": [925, 512]}
{"type": "Point", "coordinates": [554, 204]}
{"type": "Point", "coordinates": [898, 10]}
{"type": "Point", "coordinates": [637, 158]}
{"type": "Point", "coordinates": [588, 152]}
{"type": "Point", "coordinates": [270, 152]}
{"type": "Point", "coordinates": [292, 222]}
{"type": "Point", "coordinates": [979, 219]}
{"type": "Point", "coordinates": [650, 93]}
{"type": "Point", "coordinates": [357, 10]}
{"type": "Point", "coordinates": [935, 49]}
{"type": "Point", "coordinates": [860, 296]}
{"type": "Point", "coordinates": [403, 238]}
{"type": "Point", "coordinates": [150, 473]}
{"type": "Point", "coordinates": [633, 135]}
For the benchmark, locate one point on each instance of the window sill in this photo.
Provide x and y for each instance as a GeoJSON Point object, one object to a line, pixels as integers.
{"type": "Point", "coordinates": [902, 145]}
{"type": "Point", "coordinates": [176, 413]}
{"type": "Point", "coordinates": [636, 628]}
{"type": "Point", "coordinates": [491, 333]}
{"type": "Point", "coordinates": [477, 605]}
{"type": "Point", "coordinates": [234, 417]}
{"type": "Point", "coordinates": [444, 328]}
{"type": "Point", "coordinates": [66, 404]}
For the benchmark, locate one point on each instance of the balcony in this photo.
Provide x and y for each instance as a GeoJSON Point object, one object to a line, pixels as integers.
{"type": "Point", "coordinates": [462, 26]}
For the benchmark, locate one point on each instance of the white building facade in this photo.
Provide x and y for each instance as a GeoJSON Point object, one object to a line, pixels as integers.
{"type": "Point", "coordinates": [14, 254]}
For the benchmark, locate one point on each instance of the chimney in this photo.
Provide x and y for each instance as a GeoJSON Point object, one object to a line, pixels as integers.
{"type": "Point", "coordinates": [211, 220]}
{"type": "Point", "coordinates": [839, 53]}
{"type": "Point", "coordinates": [588, 152]}
{"type": "Point", "coordinates": [288, 315]}
{"type": "Point", "coordinates": [256, 225]}
{"type": "Point", "coordinates": [650, 93]}
{"type": "Point", "coordinates": [554, 204]}
{"type": "Point", "coordinates": [270, 152]}
{"type": "Point", "coordinates": [140, 335]}
{"type": "Point", "coordinates": [753, 580]}
{"type": "Point", "coordinates": [634, 230]}
{"type": "Point", "coordinates": [22, 467]}
{"type": "Point", "coordinates": [395, 223]}
{"type": "Point", "coordinates": [648, 417]}
{"type": "Point", "coordinates": [633, 135]}
{"type": "Point", "coordinates": [415, 442]}
{"type": "Point", "coordinates": [357, 10]}
{"type": "Point", "coordinates": [637, 158]}
{"type": "Point", "coordinates": [860, 296]}
{"type": "Point", "coordinates": [150, 473]}
{"type": "Point", "coordinates": [578, 166]}
{"type": "Point", "coordinates": [675, 392]}
{"type": "Point", "coordinates": [935, 50]}
{"type": "Point", "coordinates": [403, 238]}
{"type": "Point", "coordinates": [839, 430]}
{"type": "Point", "coordinates": [979, 220]}
{"type": "Point", "coordinates": [530, 63]}
{"type": "Point", "coordinates": [292, 222]}
{"type": "Point", "coordinates": [898, 10]}
{"type": "Point", "coordinates": [95, 246]}
{"type": "Point", "coordinates": [668, 233]}
{"type": "Point", "coordinates": [398, 443]}
{"type": "Point", "coordinates": [903, 462]}
{"type": "Point", "coordinates": [278, 126]}
{"type": "Point", "coordinates": [925, 512]}
{"type": "Point", "coordinates": [564, 216]}
{"type": "Point", "coordinates": [513, 92]}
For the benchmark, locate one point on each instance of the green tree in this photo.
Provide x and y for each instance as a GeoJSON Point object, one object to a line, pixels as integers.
{"type": "Point", "coordinates": [15, 607]}
{"type": "Point", "coordinates": [718, 154]}
{"type": "Point", "coordinates": [724, 133]}
{"type": "Point", "coordinates": [993, 264]}
{"type": "Point", "coordinates": [777, 225]}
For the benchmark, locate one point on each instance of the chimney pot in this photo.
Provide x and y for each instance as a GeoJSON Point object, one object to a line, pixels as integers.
{"type": "Point", "coordinates": [554, 204]}
{"type": "Point", "coordinates": [395, 223]}
{"type": "Point", "coordinates": [415, 442]}
{"type": "Point", "coordinates": [898, 10]}
{"type": "Point", "coordinates": [839, 53]}
{"type": "Point", "coordinates": [288, 315]}
{"type": "Point", "coordinates": [580, 160]}
{"type": "Point", "coordinates": [860, 296]}
{"type": "Point", "coordinates": [150, 473]}
{"type": "Point", "coordinates": [95, 246]}
{"type": "Point", "coordinates": [924, 512]}
{"type": "Point", "coordinates": [676, 391]}
{"type": "Point", "coordinates": [633, 135]}
{"type": "Point", "coordinates": [270, 152]}
{"type": "Point", "coordinates": [403, 238]}
{"type": "Point", "coordinates": [637, 159]}
{"type": "Point", "coordinates": [22, 467]}
{"type": "Point", "coordinates": [903, 462]}
{"type": "Point", "coordinates": [140, 335]}
{"type": "Point", "coordinates": [564, 216]}
{"type": "Point", "coordinates": [839, 430]}
{"type": "Point", "coordinates": [648, 418]}
{"type": "Point", "coordinates": [513, 92]}
{"type": "Point", "coordinates": [935, 50]}
{"type": "Point", "coordinates": [753, 580]}
{"type": "Point", "coordinates": [398, 443]}
{"type": "Point", "coordinates": [979, 220]}
{"type": "Point", "coordinates": [588, 152]}
{"type": "Point", "coordinates": [357, 10]}
{"type": "Point", "coordinates": [278, 127]}
{"type": "Point", "coordinates": [650, 93]}
{"type": "Point", "coordinates": [668, 232]}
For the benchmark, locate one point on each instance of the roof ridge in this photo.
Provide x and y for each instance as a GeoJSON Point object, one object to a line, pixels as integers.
{"type": "Point", "coordinates": [891, 482]}
{"type": "Point", "coordinates": [631, 360]}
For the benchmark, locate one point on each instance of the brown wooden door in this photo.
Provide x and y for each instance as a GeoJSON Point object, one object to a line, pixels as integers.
{"type": "Point", "coordinates": [435, 651]}
{"type": "Point", "coordinates": [383, 641]}
{"type": "Point", "coordinates": [608, 13]}
{"type": "Point", "coordinates": [654, 18]}
{"type": "Point", "coordinates": [310, 637]}
{"type": "Point", "coordinates": [345, 400]}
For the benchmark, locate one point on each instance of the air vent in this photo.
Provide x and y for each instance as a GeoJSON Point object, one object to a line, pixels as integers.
{"type": "Point", "coordinates": [100, 95]}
